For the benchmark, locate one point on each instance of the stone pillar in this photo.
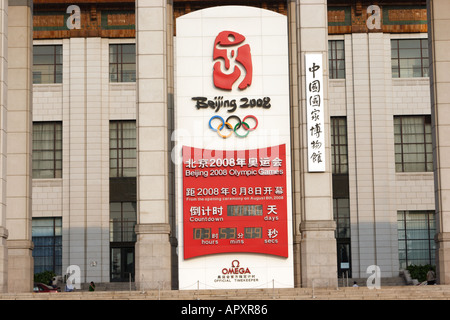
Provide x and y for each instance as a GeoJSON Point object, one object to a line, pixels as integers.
{"type": "Point", "coordinates": [295, 143]}
{"type": "Point", "coordinates": [19, 123]}
{"type": "Point", "coordinates": [3, 110]}
{"type": "Point", "coordinates": [153, 249]}
{"type": "Point", "coordinates": [318, 244]}
{"type": "Point", "coordinates": [85, 185]}
{"type": "Point", "coordinates": [372, 178]}
{"type": "Point", "coordinates": [439, 44]}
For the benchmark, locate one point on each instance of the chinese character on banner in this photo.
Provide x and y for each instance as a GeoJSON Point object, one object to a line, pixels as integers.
{"type": "Point", "coordinates": [225, 211]}
{"type": "Point", "coordinates": [315, 111]}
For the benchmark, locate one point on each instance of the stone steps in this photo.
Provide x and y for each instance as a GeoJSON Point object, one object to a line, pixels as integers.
{"type": "Point", "coordinates": [345, 293]}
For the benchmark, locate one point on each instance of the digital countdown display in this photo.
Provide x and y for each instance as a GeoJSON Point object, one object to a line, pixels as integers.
{"type": "Point", "coordinates": [235, 201]}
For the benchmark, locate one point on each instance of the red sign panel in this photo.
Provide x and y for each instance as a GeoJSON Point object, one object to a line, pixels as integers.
{"type": "Point", "coordinates": [235, 201]}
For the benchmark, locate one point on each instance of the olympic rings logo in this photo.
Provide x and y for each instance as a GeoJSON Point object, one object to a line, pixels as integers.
{"type": "Point", "coordinates": [234, 128]}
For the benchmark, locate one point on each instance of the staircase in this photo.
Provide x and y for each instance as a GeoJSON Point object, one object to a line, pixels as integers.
{"type": "Point", "coordinates": [436, 292]}
{"type": "Point", "coordinates": [111, 286]}
{"type": "Point", "coordinates": [362, 282]}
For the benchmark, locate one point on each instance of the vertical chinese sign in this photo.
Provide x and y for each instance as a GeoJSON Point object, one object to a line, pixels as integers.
{"type": "Point", "coordinates": [232, 154]}
{"type": "Point", "coordinates": [315, 112]}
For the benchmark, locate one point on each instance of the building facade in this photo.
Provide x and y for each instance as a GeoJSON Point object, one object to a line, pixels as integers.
{"type": "Point", "coordinates": [89, 107]}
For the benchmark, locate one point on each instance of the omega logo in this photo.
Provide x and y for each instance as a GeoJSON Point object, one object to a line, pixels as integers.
{"type": "Point", "coordinates": [235, 269]}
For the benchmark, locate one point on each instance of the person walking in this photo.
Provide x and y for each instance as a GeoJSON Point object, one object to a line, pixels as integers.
{"type": "Point", "coordinates": [69, 286]}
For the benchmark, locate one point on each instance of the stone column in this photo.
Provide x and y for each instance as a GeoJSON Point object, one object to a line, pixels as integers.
{"type": "Point", "coordinates": [439, 44]}
{"type": "Point", "coordinates": [86, 184]}
{"type": "Point", "coordinates": [19, 122]}
{"type": "Point", "coordinates": [3, 110]}
{"type": "Point", "coordinates": [153, 249]}
{"type": "Point", "coordinates": [318, 244]}
{"type": "Point", "coordinates": [295, 143]}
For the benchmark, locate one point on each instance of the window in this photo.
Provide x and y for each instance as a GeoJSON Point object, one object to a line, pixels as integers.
{"type": "Point", "coordinates": [416, 231]}
{"type": "Point", "coordinates": [47, 239]}
{"type": "Point", "coordinates": [336, 59]}
{"type": "Point", "coordinates": [122, 221]}
{"type": "Point", "coordinates": [47, 150]}
{"type": "Point", "coordinates": [47, 64]}
{"type": "Point", "coordinates": [341, 212]}
{"type": "Point", "coordinates": [409, 58]}
{"type": "Point", "coordinates": [122, 63]}
{"type": "Point", "coordinates": [122, 148]}
{"type": "Point", "coordinates": [341, 200]}
{"type": "Point", "coordinates": [339, 153]}
{"type": "Point", "coordinates": [122, 199]}
{"type": "Point", "coordinates": [122, 237]}
{"type": "Point", "coordinates": [413, 144]}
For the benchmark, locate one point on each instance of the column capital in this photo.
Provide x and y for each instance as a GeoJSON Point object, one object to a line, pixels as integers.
{"type": "Point", "coordinates": [152, 228]}
{"type": "Point", "coordinates": [20, 244]}
{"type": "Point", "coordinates": [317, 225]}
{"type": "Point", "coordinates": [3, 232]}
{"type": "Point", "coordinates": [442, 237]}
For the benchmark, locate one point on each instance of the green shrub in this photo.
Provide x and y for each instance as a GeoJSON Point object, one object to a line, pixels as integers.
{"type": "Point", "coordinates": [420, 272]}
{"type": "Point", "coordinates": [44, 277]}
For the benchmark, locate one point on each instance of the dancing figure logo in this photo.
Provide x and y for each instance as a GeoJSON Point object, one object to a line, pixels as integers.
{"type": "Point", "coordinates": [233, 61]}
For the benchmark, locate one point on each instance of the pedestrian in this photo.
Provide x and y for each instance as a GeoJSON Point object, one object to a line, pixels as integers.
{"type": "Point", "coordinates": [431, 277]}
{"type": "Point", "coordinates": [92, 286]}
{"type": "Point", "coordinates": [355, 285]}
{"type": "Point", "coordinates": [69, 286]}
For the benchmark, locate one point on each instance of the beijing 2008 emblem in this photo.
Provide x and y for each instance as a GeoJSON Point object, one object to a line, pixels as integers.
{"type": "Point", "coordinates": [232, 59]}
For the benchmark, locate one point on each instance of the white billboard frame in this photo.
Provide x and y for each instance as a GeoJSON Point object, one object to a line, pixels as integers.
{"type": "Point", "coordinates": [267, 34]}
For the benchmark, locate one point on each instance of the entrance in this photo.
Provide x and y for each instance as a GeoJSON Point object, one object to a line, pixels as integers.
{"type": "Point", "coordinates": [343, 254]}
{"type": "Point", "coordinates": [122, 263]}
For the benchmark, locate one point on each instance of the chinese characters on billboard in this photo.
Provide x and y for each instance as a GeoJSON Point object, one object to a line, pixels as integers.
{"type": "Point", "coordinates": [235, 201]}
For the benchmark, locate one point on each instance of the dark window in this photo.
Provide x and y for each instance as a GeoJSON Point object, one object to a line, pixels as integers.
{"type": "Point", "coordinates": [47, 150]}
{"type": "Point", "coordinates": [413, 144]}
{"type": "Point", "coordinates": [122, 63]}
{"type": "Point", "coordinates": [47, 239]}
{"type": "Point", "coordinates": [339, 153]}
{"type": "Point", "coordinates": [341, 212]}
{"type": "Point", "coordinates": [122, 148]}
{"type": "Point", "coordinates": [416, 231]}
{"type": "Point", "coordinates": [409, 58]}
{"type": "Point", "coordinates": [336, 59]}
{"type": "Point", "coordinates": [47, 64]}
{"type": "Point", "coordinates": [341, 201]}
{"type": "Point", "coordinates": [122, 221]}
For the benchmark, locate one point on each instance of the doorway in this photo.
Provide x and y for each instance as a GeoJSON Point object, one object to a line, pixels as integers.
{"type": "Point", "coordinates": [343, 255]}
{"type": "Point", "coordinates": [122, 263]}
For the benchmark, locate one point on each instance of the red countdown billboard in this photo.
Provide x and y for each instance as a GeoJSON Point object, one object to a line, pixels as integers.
{"type": "Point", "coordinates": [235, 201]}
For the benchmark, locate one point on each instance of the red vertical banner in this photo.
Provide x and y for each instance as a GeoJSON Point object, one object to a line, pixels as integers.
{"type": "Point", "coordinates": [235, 201]}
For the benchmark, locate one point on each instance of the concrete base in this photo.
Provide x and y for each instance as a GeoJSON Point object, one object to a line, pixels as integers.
{"type": "Point", "coordinates": [20, 266]}
{"type": "Point", "coordinates": [443, 258]}
{"type": "Point", "coordinates": [3, 260]}
{"type": "Point", "coordinates": [318, 254]}
{"type": "Point", "coordinates": [297, 262]}
{"type": "Point", "coordinates": [153, 257]}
